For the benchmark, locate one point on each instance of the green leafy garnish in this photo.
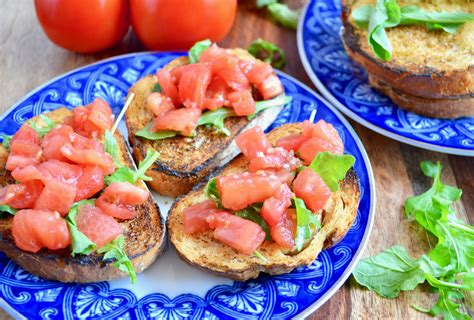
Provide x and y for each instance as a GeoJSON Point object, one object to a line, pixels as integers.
{"type": "Point", "coordinates": [157, 88]}
{"type": "Point", "coordinates": [284, 15]}
{"type": "Point", "coordinates": [6, 141]}
{"type": "Point", "coordinates": [216, 118]}
{"type": "Point", "coordinates": [252, 213]}
{"type": "Point", "coordinates": [306, 221]}
{"type": "Point", "coordinates": [111, 147]}
{"type": "Point", "coordinates": [125, 174]}
{"type": "Point", "coordinates": [266, 104]}
{"type": "Point", "coordinates": [388, 14]}
{"type": "Point", "coordinates": [260, 256]}
{"type": "Point", "coordinates": [80, 244]}
{"type": "Point", "coordinates": [332, 167]}
{"type": "Point", "coordinates": [264, 3]}
{"type": "Point", "coordinates": [268, 52]}
{"type": "Point", "coordinates": [8, 209]}
{"type": "Point", "coordinates": [42, 128]}
{"type": "Point", "coordinates": [147, 134]}
{"type": "Point", "coordinates": [115, 250]}
{"type": "Point", "coordinates": [212, 192]}
{"type": "Point", "coordinates": [449, 266]}
{"type": "Point", "coordinates": [198, 48]}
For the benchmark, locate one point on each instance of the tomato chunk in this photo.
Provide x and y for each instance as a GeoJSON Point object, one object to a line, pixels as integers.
{"type": "Point", "coordinates": [275, 158]}
{"type": "Point", "coordinates": [275, 206]}
{"type": "Point", "coordinates": [195, 79]}
{"type": "Point", "coordinates": [35, 229]}
{"type": "Point", "coordinates": [64, 172]}
{"type": "Point", "coordinates": [309, 186]}
{"type": "Point", "coordinates": [15, 161]}
{"type": "Point", "coordinates": [256, 71]}
{"type": "Point", "coordinates": [242, 102]}
{"type": "Point", "coordinates": [89, 183]}
{"type": "Point", "coordinates": [119, 198]}
{"type": "Point", "coordinates": [216, 94]}
{"type": "Point", "coordinates": [195, 216]}
{"type": "Point", "coordinates": [93, 119]}
{"type": "Point", "coordinates": [242, 189]}
{"type": "Point", "coordinates": [158, 103]}
{"type": "Point", "coordinates": [97, 226]}
{"type": "Point", "coordinates": [21, 195]}
{"type": "Point", "coordinates": [253, 142]}
{"type": "Point", "coordinates": [270, 87]}
{"type": "Point", "coordinates": [56, 196]}
{"type": "Point", "coordinates": [243, 235]}
{"type": "Point", "coordinates": [323, 137]}
{"type": "Point", "coordinates": [183, 120]}
{"type": "Point", "coordinates": [283, 233]}
{"type": "Point", "coordinates": [291, 142]}
{"type": "Point", "coordinates": [168, 85]}
{"type": "Point", "coordinates": [89, 157]}
{"type": "Point", "coordinates": [26, 142]}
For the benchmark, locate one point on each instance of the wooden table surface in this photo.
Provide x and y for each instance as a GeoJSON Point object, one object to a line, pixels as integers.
{"type": "Point", "coordinates": [28, 59]}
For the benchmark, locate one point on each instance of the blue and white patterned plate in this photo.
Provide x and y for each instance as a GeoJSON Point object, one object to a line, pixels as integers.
{"type": "Point", "coordinates": [345, 85]}
{"type": "Point", "coordinates": [170, 288]}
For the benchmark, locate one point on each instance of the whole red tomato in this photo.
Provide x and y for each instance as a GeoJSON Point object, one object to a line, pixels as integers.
{"type": "Point", "coordinates": [178, 24]}
{"type": "Point", "coordinates": [83, 25]}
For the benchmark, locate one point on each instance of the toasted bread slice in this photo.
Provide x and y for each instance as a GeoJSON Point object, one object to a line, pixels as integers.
{"type": "Point", "coordinates": [204, 252]}
{"type": "Point", "coordinates": [144, 236]}
{"type": "Point", "coordinates": [425, 64]}
{"type": "Point", "coordinates": [184, 161]}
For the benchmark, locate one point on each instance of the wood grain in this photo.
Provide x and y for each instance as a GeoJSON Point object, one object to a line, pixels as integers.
{"type": "Point", "coordinates": [28, 59]}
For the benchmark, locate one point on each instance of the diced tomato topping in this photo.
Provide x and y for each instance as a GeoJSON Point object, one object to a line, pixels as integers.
{"type": "Point", "coordinates": [25, 142]}
{"type": "Point", "coordinates": [242, 102]}
{"type": "Point", "coordinates": [253, 142]}
{"type": "Point", "coordinates": [27, 173]}
{"type": "Point", "coordinates": [291, 142]}
{"type": "Point", "coordinates": [270, 87]}
{"type": "Point", "coordinates": [93, 119]}
{"type": "Point", "coordinates": [242, 189]}
{"type": "Point", "coordinates": [158, 103]}
{"type": "Point", "coordinates": [89, 157]}
{"type": "Point", "coordinates": [309, 186]}
{"type": "Point", "coordinates": [89, 183]}
{"type": "Point", "coordinates": [168, 85]}
{"type": "Point", "coordinates": [195, 216]}
{"type": "Point", "coordinates": [216, 94]}
{"type": "Point", "coordinates": [35, 229]}
{"type": "Point", "coordinates": [283, 233]}
{"type": "Point", "coordinates": [64, 172]}
{"type": "Point", "coordinates": [324, 137]}
{"type": "Point", "coordinates": [14, 162]}
{"type": "Point", "coordinates": [56, 196]}
{"type": "Point", "coordinates": [97, 226]}
{"type": "Point", "coordinates": [183, 120]}
{"type": "Point", "coordinates": [243, 235]}
{"type": "Point", "coordinates": [275, 206]}
{"type": "Point", "coordinates": [53, 141]}
{"type": "Point", "coordinates": [21, 195]}
{"type": "Point", "coordinates": [275, 158]}
{"type": "Point", "coordinates": [285, 176]}
{"type": "Point", "coordinates": [195, 79]}
{"type": "Point", "coordinates": [119, 198]}
{"type": "Point", "coordinates": [256, 71]}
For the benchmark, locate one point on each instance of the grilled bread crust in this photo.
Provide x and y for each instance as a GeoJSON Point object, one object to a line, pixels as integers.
{"type": "Point", "coordinates": [184, 161]}
{"type": "Point", "coordinates": [204, 252]}
{"type": "Point", "coordinates": [144, 236]}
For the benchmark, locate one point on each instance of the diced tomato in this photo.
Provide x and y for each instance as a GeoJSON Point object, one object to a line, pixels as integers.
{"type": "Point", "coordinates": [291, 142]}
{"type": "Point", "coordinates": [216, 94]}
{"type": "Point", "coordinates": [275, 206]}
{"type": "Point", "coordinates": [158, 103]}
{"type": "Point", "coordinates": [242, 102]}
{"type": "Point", "coordinates": [93, 119]}
{"type": "Point", "coordinates": [27, 173]}
{"type": "Point", "coordinates": [64, 172]}
{"type": "Point", "coordinates": [285, 176]}
{"type": "Point", "coordinates": [35, 229]}
{"type": "Point", "coordinates": [253, 142]}
{"type": "Point", "coordinates": [168, 85]}
{"type": "Point", "coordinates": [89, 183]}
{"type": "Point", "coordinates": [309, 186]}
{"type": "Point", "coordinates": [283, 233]}
{"type": "Point", "coordinates": [89, 157]}
{"type": "Point", "coordinates": [243, 235]}
{"type": "Point", "coordinates": [26, 142]}
{"type": "Point", "coordinates": [271, 87]}
{"type": "Point", "coordinates": [97, 226]}
{"type": "Point", "coordinates": [195, 79]}
{"type": "Point", "coordinates": [275, 158]}
{"type": "Point", "coordinates": [195, 216]}
{"type": "Point", "coordinates": [256, 71]}
{"type": "Point", "coordinates": [21, 195]}
{"type": "Point", "coordinates": [56, 196]}
{"type": "Point", "coordinates": [242, 189]}
{"type": "Point", "coordinates": [183, 120]}
{"type": "Point", "coordinates": [326, 131]}
{"type": "Point", "coordinates": [16, 161]}
{"type": "Point", "coordinates": [324, 137]}
{"type": "Point", "coordinates": [119, 198]}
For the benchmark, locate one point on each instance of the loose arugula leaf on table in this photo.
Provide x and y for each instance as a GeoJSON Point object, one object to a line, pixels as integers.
{"type": "Point", "coordinates": [147, 134]}
{"type": "Point", "coordinates": [125, 174]}
{"type": "Point", "coordinates": [306, 223]}
{"type": "Point", "coordinates": [42, 128]}
{"type": "Point", "coordinates": [115, 250]}
{"type": "Point", "coordinates": [252, 213]}
{"type": "Point", "coordinates": [268, 52]}
{"type": "Point", "coordinates": [6, 141]}
{"type": "Point", "coordinates": [6, 208]}
{"type": "Point", "coordinates": [284, 15]}
{"type": "Point", "coordinates": [264, 3]}
{"type": "Point", "coordinates": [448, 306]}
{"type": "Point", "coordinates": [80, 244]}
{"type": "Point", "coordinates": [198, 48]}
{"type": "Point", "coordinates": [332, 167]}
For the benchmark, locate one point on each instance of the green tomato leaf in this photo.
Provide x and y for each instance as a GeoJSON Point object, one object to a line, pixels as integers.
{"type": "Point", "coordinates": [80, 244]}
{"type": "Point", "coordinates": [160, 135]}
{"type": "Point", "coordinates": [332, 168]}
{"type": "Point", "coordinates": [6, 208]}
{"type": "Point", "coordinates": [284, 15]}
{"type": "Point", "coordinates": [43, 127]}
{"type": "Point", "coordinates": [6, 141]}
{"type": "Point", "coordinates": [307, 222]}
{"type": "Point", "coordinates": [198, 48]}
{"type": "Point", "coordinates": [114, 250]}
{"type": "Point", "coordinates": [252, 213]}
{"type": "Point", "coordinates": [268, 52]}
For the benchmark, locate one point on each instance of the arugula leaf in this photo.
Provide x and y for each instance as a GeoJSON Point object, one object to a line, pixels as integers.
{"type": "Point", "coordinates": [115, 250]}
{"type": "Point", "coordinates": [260, 256]}
{"type": "Point", "coordinates": [266, 104]}
{"type": "Point", "coordinates": [198, 48]}
{"type": "Point", "coordinates": [448, 304]}
{"type": "Point", "coordinates": [306, 221]}
{"type": "Point", "coordinates": [126, 174]}
{"type": "Point", "coordinates": [216, 118]}
{"type": "Point", "coordinates": [147, 134]}
{"type": "Point", "coordinates": [284, 15]}
{"type": "Point", "coordinates": [268, 52]}
{"type": "Point", "coordinates": [212, 192]}
{"type": "Point", "coordinates": [332, 168]}
{"type": "Point", "coordinates": [264, 3]}
{"type": "Point", "coordinates": [6, 141]}
{"type": "Point", "coordinates": [8, 209]}
{"type": "Point", "coordinates": [45, 126]}
{"type": "Point", "coordinates": [361, 16]}
{"type": "Point", "coordinates": [111, 147]}
{"type": "Point", "coordinates": [157, 88]}
{"type": "Point", "coordinates": [252, 213]}
{"type": "Point", "coordinates": [80, 244]}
